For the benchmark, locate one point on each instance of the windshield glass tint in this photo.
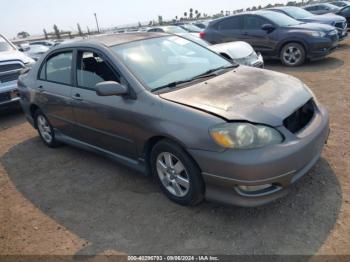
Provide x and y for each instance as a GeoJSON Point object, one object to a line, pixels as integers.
{"type": "Point", "coordinates": [297, 13]}
{"type": "Point", "coordinates": [192, 28]}
{"type": "Point", "coordinates": [196, 39]}
{"type": "Point", "coordinates": [280, 19]}
{"type": "Point", "coordinates": [331, 7]}
{"type": "Point", "coordinates": [160, 61]}
{"type": "Point", "coordinates": [174, 30]}
{"type": "Point", "coordinates": [4, 45]}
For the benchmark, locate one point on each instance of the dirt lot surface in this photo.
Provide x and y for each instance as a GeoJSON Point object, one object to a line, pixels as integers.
{"type": "Point", "coordinates": [68, 201]}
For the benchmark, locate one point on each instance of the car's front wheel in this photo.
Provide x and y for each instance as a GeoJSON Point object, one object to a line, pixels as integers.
{"type": "Point", "coordinates": [293, 54]}
{"type": "Point", "coordinates": [177, 174]}
{"type": "Point", "coordinates": [45, 130]}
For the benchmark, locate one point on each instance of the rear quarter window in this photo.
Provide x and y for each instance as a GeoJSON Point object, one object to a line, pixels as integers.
{"type": "Point", "coordinates": [232, 23]}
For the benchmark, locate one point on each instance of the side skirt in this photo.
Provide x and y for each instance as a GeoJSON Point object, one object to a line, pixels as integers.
{"type": "Point", "coordinates": [131, 163]}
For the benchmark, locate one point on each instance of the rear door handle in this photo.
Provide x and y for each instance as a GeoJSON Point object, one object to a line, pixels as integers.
{"type": "Point", "coordinates": [77, 96]}
{"type": "Point", "coordinates": [41, 89]}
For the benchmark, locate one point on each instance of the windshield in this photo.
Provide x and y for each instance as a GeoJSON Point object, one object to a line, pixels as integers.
{"type": "Point", "coordinates": [195, 39]}
{"type": "Point", "coordinates": [174, 30]}
{"type": "Point", "coordinates": [4, 45]}
{"type": "Point", "coordinates": [280, 19]}
{"type": "Point", "coordinates": [297, 13]}
{"type": "Point", "coordinates": [38, 49]}
{"type": "Point", "coordinates": [331, 7]}
{"type": "Point", "coordinates": [339, 4]}
{"type": "Point", "coordinates": [164, 60]}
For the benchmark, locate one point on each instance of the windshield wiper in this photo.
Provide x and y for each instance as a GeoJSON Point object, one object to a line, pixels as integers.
{"type": "Point", "coordinates": [206, 74]}
{"type": "Point", "coordinates": [172, 84]}
{"type": "Point", "coordinates": [211, 72]}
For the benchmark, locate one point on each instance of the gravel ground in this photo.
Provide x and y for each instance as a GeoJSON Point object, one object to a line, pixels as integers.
{"type": "Point", "coordinates": [68, 201]}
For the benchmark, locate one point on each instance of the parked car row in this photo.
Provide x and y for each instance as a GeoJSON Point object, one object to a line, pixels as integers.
{"type": "Point", "coordinates": [276, 35]}
{"type": "Point", "coordinates": [291, 34]}
{"type": "Point", "coordinates": [238, 51]}
{"type": "Point", "coordinates": [341, 8]}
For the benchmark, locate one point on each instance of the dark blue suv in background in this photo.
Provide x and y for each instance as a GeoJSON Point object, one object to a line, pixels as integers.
{"type": "Point", "coordinates": [275, 35]}
{"type": "Point", "coordinates": [302, 15]}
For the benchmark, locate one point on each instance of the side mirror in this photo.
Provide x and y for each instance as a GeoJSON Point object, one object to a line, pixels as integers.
{"type": "Point", "coordinates": [111, 88]}
{"type": "Point", "coordinates": [268, 28]}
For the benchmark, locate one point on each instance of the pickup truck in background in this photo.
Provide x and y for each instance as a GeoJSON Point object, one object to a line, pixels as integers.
{"type": "Point", "coordinates": [12, 62]}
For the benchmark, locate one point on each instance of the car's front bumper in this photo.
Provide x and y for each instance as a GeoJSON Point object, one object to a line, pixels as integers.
{"type": "Point", "coordinates": [253, 60]}
{"type": "Point", "coordinates": [321, 47]}
{"type": "Point", "coordinates": [278, 166]}
{"type": "Point", "coordinates": [342, 33]}
{"type": "Point", "coordinates": [259, 62]}
{"type": "Point", "coordinates": [9, 93]}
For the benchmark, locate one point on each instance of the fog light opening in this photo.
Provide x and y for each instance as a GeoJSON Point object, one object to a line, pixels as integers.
{"type": "Point", "coordinates": [257, 190]}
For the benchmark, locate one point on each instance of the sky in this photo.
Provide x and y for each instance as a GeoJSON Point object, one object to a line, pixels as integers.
{"type": "Point", "coordinates": [33, 16]}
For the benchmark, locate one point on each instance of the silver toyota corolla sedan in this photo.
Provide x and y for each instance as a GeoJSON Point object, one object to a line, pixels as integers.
{"type": "Point", "coordinates": [202, 126]}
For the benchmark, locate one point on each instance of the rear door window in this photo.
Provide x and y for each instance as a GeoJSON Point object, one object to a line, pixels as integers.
{"type": "Point", "coordinates": [253, 22]}
{"type": "Point", "coordinates": [233, 23]}
{"type": "Point", "coordinates": [346, 11]}
{"type": "Point", "coordinates": [58, 68]}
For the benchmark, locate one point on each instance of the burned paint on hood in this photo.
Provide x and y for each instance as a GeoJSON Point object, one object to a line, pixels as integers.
{"type": "Point", "coordinates": [245, 93]}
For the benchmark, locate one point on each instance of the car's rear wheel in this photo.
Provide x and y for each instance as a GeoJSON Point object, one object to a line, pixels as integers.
{"type": "Point", "coordinates": [177, 173]}
{"type": "Point", "coordinates": [45, 130]}
{"type": "Point", "coordinates": [293, 54]}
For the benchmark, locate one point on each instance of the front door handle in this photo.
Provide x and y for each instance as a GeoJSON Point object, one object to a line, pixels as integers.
{"type": "Point", "coordinates": [77, 96]}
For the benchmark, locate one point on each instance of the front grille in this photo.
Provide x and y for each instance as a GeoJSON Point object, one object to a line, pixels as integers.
{"type": "Point", "coordinates": [9, 77]}
{"type": "Point", "coordinates": [5, 97]}
{"type": "Point", "coordinates": [334, 38]}
{"type": "Point", "coordinates": [10, 71]}
{"type": "Point", "coordinates": [10, 67]}
{"type": "Point", "coordinates": [300, 118]}
{"type": "Point", "coordinates": [341, 25]}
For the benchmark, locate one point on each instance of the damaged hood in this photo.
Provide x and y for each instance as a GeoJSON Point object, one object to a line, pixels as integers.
{"type": "Point", "coordinates": [245, 93]}
{"type": "Point", "coordinates": [236, 50]}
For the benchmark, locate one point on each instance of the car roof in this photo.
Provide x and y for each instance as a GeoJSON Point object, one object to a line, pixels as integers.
{"type": "Point", "coordinates": [318, 4]}
{"type": "Point", "coordinates": [258, 12]}
{"type": "Point", "coordinates": [282, 8]}
{"type": "Point", "coordinates": [114, 39]}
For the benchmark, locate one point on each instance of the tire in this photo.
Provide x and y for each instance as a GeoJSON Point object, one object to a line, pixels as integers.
{"type": "Point", "coordinates": [45, 129]}
{"type": "Point", "coordinates": [293, 54]}
{"type": "Point", "coordinates": [177, 174]}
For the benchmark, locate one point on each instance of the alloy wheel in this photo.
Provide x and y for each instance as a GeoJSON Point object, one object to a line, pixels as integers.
{"type": "Point", "coordinates": [44, 129]}
{"type": "Point", "coordinates": [173, 174]}
{"type": "Point", "coordinates": [292, 55]}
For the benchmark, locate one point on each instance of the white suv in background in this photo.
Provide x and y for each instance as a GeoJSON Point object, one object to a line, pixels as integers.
{"type": "Point", "coordinates": [12, 62]}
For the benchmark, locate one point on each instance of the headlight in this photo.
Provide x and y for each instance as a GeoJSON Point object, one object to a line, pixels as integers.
{"type": "Point", "coordinates": [316, 33]}
{"type": "Point", "coordinates": [248, 60]}
{"type": "Point", "coordinates": [245, 135]}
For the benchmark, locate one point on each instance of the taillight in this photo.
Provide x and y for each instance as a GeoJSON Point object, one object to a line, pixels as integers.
{"type": "Point", "coordinates": [202, 34]}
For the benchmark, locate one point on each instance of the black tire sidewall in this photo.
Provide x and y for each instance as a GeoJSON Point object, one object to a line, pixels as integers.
{"type": "Point", "coordinates": [196, 191]}
{"type": "Point", "coordinates": [54, 142]}
{"type": "Point", "coordinates": [302, 50]}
